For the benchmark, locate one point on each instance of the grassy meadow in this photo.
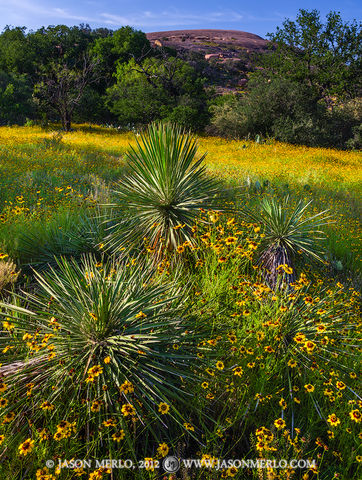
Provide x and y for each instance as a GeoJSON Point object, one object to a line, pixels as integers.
{"type": "Point", "coordinates": [242, 368]}
{"type": "Point", "coordinates": [44, 174]}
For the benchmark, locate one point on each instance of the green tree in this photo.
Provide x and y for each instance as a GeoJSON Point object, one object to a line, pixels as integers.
{"type": "Point", "coordinates": [61, 88]}
{"type": "Point", "coordinates": [118, 48]}
{"type": "Point", "coordinates": [325, 56]}
{"type": "Point", "coordinates": [16, 53]}
{"type": "Point", "coordinates": [15, 98]}
{"type": "Point", "coordinates": [158, 88]}
{"type": "Point", "coordinates": [60, 41]}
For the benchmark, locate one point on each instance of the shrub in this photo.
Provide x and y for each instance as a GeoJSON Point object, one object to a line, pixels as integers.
{"type": "Point", "coordinates": [286, 111]}
{"type": "Point", "coordinates": [355, 142]}
{"type": "Point", "coordinates": [229, 119]}
{"type": "Point", "coordinates": [189, 114]}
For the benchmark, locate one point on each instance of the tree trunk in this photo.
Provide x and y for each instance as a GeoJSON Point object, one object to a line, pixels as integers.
{"type": "Point", "coordinates": [66, 121]}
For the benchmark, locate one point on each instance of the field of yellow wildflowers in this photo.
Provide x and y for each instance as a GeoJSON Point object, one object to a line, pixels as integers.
{"type": "Point", "coordinates": [42, 173]}
{"type": "Point", "coordinates": [221, 366]}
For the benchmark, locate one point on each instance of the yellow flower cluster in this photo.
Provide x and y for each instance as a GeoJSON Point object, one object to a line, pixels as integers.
{"type": "Point", "coordinates": [64, 430]}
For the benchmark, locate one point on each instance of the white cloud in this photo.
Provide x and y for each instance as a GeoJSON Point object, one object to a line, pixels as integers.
{"type": "Point", "coordinates": [15, 11]}
{"type": "Point", "coordinates": [173, 18]}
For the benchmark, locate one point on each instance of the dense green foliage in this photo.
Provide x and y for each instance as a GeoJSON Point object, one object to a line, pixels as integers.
{"type": "Point", "coordinates": [308, 89]}
{"type": "Point", "coordinates": [64, 73]}
{"type": "Point", "coordinates": [326, 57]}
{"type": "Point", "coordinates": [15, 98]}
{"type": "Point", "coordinates": [287, 111]}
{"type": "Point", "coordinates": [158, 88]}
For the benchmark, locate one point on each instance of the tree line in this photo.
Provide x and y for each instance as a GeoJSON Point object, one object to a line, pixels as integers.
{"type": "Point", "coordinates": [84, 75]}
{"type": "Point", "coordinates": [305, 89]}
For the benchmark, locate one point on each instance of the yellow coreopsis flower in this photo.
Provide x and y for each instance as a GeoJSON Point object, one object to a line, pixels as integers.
{"type": "Point", "coordinates": [163, 408]}
{"type": "Point", "coordinates": [26, 447]}
{"type": "Point", "coordinates": [163, 449]}
{"type": "Point", "coordinates": [126, 387]}
{"type": "Point", "coordinates": [309, 388]}
{"type": "Point", "coordinates": [355, 416]}
{"type": "Point", "coordinates": [333, 420]}
{"type": "Point", "coordinates": [189, 427]}
{"type": "Point", "coordinates": [128, 409]}
{"type": "Point", "coordinates": [118, 436]}
{"type": "Point", "coordinates": [279, 423]}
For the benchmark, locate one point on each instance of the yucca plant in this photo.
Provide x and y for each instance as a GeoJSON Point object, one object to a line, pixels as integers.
{"type": "Point", "coordinates": [162, 194]}
{"type": "Point", "coordinates": [288, 231]}
{"type": "Point", "coordinates": [98, 341]}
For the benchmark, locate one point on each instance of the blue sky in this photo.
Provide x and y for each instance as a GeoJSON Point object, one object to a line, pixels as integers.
{"type": "Point", "coordinates": [256, 16]}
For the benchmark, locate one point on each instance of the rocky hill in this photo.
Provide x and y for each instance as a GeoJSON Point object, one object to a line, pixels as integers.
{"type": "Point", "coordinates": [224, 57]}
{"type": "Point", "coordinates": [219, 44]}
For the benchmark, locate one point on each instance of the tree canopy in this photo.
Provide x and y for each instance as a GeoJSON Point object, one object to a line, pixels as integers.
{"type": "Point", "coordinates": [158, 88]}
{"type": "Point", "coordinates": [325, 56]}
